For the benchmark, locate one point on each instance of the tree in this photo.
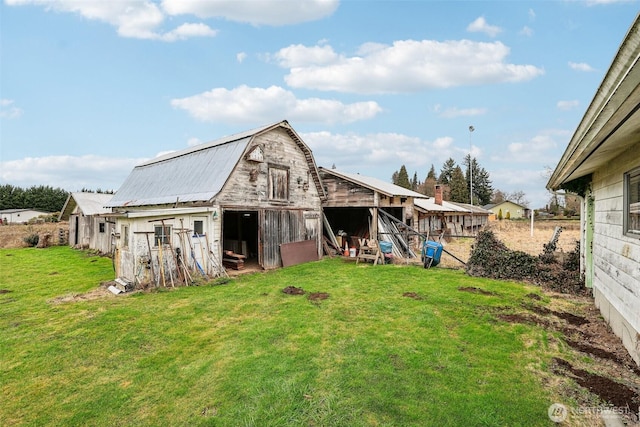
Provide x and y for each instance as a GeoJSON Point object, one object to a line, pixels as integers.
{"type": "Point", "coordinates": [432, 173]}
{"type": "Point", "coordinates": [446, 173]}
{"type": "Point", "coordinates": [414, 182]}
{"type": "Point", "coordinates": [500, 214]}
{"type": "Point", "coordinates": [482, 189]}
{"type": "Point", "coordinates": [518, 197]}
{"type": "Point", "coordinates": [459, 188]}
{"type": "Point", "coordinates": [403, 178]}
{"type": "Point", "coordinates": [498, 196]}
{"type": "Point", "coordinates": [44, 198]}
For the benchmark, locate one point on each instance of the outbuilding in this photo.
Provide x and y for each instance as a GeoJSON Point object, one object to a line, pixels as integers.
{"type": "Point", "coordinates": [89, 224]}
{"type": "Point", "coordinates": [255, 196]}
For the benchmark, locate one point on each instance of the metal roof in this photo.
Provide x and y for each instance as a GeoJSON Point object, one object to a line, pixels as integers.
{"type": "Point", "coordinates": [375, 184]}
{"type": "Point", "coordinates": [196, 174]}
{"type": "Point", "coordinates": [193, 175]}
{"type": "Point", "coordinates": [430, 205]}
{"type": "Point", "coordinates": [89, 204]}
{"type": "Point", "coordinates": [610, 124]}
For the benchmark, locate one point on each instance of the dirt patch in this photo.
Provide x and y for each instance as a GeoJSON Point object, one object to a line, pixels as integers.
{"type": "Point", "coordinates": [474, 290]}
{"type": "Point", "coordinates": [292, 290]}
{"type": "Point", "coordinates": [534, 296]}
{"type": "Point", "coordinates": [5, 291]}
{"type": "Point", "coordinates": [98, 293]}
{"type": "Point", "coordinates": [584, 332]}
{"type": "Point", "coordinates": [412, 295]}
{"type": "Point", "coordinates": [318, 296]}
{"type": "Point", "coordinates": [612, 392]}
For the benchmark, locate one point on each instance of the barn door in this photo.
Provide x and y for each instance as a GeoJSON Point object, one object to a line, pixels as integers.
{"type": "Point", "coordinates": [279, 226]}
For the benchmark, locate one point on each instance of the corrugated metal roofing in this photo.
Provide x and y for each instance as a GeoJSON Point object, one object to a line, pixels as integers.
{"type": "Point", "coordinates": [191, 175]}
{"type": "Point", "coordinates": [376, 184]}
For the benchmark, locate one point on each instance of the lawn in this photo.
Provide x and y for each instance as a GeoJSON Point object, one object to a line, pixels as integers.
{"type": "Point", "coordinates": [390, 346]}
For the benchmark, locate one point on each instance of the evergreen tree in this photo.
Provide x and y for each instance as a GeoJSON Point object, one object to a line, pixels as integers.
{"type": "Point", "coordinates": [482, 189]}
{"type": "Point", "coordinates": [459, 187]}
{"type": "Point", "coordinates": [403, 178]}
{"type": "Point", "coordinates": [43, 198]}
{"type": "Point", "coordinates": [446, 173]}
{"type": "Point", "coordinates": [432, 173]}
{"type": "Point", "coordinates": [394, 178]}
{"type": "Point", "coordinates": [414, 182]}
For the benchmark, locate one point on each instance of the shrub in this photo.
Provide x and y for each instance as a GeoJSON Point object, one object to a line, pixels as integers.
{"type": "Point", "coordinates": [491, 258]}
{"type": "Point", "coordinates": [32, 239]}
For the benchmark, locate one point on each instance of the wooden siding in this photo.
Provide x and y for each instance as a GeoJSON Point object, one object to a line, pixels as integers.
{"type": "Point", "coordinates": [248, 185]}
{"type": "Point", "coordinates": [84, 232]}
{"type": "Point", "coordinates": [616, 257]}
{"type": "Point", "coordinates": [343, 193]}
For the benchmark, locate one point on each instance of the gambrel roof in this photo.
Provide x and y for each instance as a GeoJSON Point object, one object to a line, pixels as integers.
{"type": "Point", "coordinates": [196, 174]}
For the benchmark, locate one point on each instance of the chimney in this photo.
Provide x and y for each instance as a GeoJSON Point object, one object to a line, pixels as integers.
{"type": "Point", "coordinates": [438, 194]}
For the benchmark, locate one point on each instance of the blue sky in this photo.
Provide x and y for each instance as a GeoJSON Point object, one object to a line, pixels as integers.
{"type": "Point", "coordinates": [89, 89]}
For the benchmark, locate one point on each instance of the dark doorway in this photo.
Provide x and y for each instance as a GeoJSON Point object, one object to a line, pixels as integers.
{"type": "Point", "coordinates": [240, 233]}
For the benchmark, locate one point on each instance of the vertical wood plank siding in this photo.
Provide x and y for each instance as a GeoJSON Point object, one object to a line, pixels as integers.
{"type": "Point", "coordinates": [280, 226]}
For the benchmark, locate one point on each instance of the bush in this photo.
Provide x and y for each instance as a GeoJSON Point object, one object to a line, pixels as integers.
{"type": "Point", "coordinates": [491, 258]}
{"type": "Point", "coordinates": [32, 239]}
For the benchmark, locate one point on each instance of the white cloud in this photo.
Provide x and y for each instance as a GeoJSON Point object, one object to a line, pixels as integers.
{"type": "Point", "coordinates": [541, 148]}
{"type": "Point", "coordinates": [71, 173]}
{"type": "Point", "coordinates": [453, 112]}
{"type": "Point", "coordinates": [248, 104]}
{"type": "Point", "coordinates": [405, 66]}
{"type": "Point", "coordinates": [194, 141]}
{"type": "Point", "coordinates": [581, 66]}
{"type": "Point", "coordinates": [568, 105]}
{"type": "Point", "coordinates": [240, 57]}
{"type": "Point", "coordinates": [379, 151]}
{"type": "Point", "coordinates": [139, 19]}
{"type": "Point", "coordinates": [532, 15]}
{"type": "Point", "coordinates": [526, 31]}
{"type": "Point", "coordinates": [480, 25]}
{"type": "Point", "coordinates": [263, 12]}
{"type": "Point", "coordinates": [8, 110]}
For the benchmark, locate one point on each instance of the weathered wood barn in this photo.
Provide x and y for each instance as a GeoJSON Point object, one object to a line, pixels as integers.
{"type": "Point", "coordinates": [360, 205]}
{"type": "Point", "coordinates": [89, 224]}
{"type": "Point", "coordinates": [248, 194]}
{"type": "Point", "coordinates": [602, 164]}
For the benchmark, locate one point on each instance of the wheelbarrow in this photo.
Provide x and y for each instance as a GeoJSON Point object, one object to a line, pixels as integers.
{"type": "Point", "coordinates": [431, 253]}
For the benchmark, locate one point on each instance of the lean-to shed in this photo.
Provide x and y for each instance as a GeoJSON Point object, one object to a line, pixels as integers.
{"type": "Point", "coordinates": [354, 204]}
{"type": "Point", "coordinates": [602, 164]}
{"type": "Point", "coordinates": [89, 224]}
{"type": "Point", "coordinates": [247, 193]}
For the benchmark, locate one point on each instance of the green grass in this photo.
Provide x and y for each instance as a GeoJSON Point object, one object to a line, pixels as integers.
{"type": "Point", "coordinates": [246, 354]}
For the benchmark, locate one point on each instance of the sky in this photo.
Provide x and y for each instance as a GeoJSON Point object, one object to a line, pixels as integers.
{"type": "Point", "coordinates": [89, 89]}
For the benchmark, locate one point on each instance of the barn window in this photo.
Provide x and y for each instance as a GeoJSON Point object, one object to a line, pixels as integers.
{"type": "Point", "coordinates": [632, 203]}
{"type": "Point", "coordinates": [162, 234]}
{"type": "Point", "coordinates": [278, 183]}
{"type": "Point", "coordinates": [101, 227]}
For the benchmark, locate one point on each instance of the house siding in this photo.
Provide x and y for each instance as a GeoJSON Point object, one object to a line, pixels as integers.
{"type": "Point", "coordinates": [616, 257]}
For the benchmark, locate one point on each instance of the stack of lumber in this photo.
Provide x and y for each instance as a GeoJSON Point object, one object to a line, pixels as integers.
{"type": "Point", "coordinates": [233, 260]}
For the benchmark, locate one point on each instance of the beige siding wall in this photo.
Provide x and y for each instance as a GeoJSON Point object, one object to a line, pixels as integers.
{"type": "Point", "coordinates": [616, 257]}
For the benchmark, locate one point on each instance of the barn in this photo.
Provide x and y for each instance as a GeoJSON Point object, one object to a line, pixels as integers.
{"type": "Point", "coordinates": [602, 164]}
{"type": "Point", "coordinates": [255, 196]}
{"type": "Point", "coordinates": [89, 224]}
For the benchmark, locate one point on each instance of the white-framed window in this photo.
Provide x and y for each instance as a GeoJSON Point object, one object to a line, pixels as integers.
{"type": "Point", "coordinates": [162, 235]}
{"type": "Point", "coordinates": [631, 196]}
{"type": "Point", "coordinates": [278, 183]}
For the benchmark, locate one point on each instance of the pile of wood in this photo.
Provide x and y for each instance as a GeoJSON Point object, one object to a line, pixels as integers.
{"type": "Point", "coordinates": [233, 260]}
